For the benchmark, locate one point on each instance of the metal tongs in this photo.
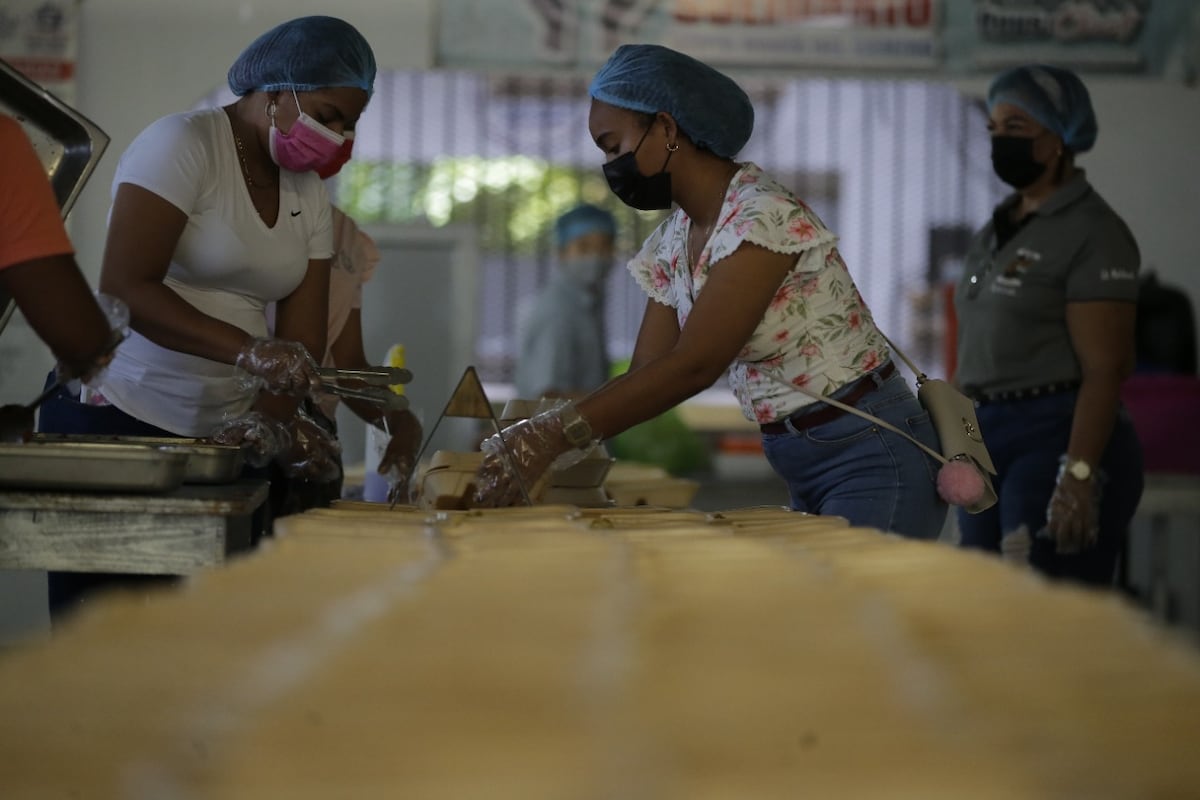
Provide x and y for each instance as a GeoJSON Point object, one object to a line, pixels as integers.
{"type": "Point", "coordinates": [377, 380]}
{"type": "Point", "coordinates": [372, 376]}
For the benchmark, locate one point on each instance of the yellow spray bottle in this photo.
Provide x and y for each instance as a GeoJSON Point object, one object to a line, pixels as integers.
{"type": "Point", "coordinates": [395, 358]}
{"type": "Point", "coordinates": [375, 486]}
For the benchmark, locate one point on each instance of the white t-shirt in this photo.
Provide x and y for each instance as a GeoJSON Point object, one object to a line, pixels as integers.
{"type": "Point", "coordinates": [228, 264]}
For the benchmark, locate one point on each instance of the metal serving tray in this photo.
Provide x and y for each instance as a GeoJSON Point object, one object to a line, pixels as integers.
{"type": "Point", "coordinates": [85, 466]}
{"type": "Point", "coordinates": [207, 462]}
{"type": "Point", "coordinates": [68, 143]}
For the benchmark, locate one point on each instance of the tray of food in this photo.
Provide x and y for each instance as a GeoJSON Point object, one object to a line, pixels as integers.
{"type": "Point", "coordinates": [207, 462]}
{"type": "Point", "coordinates": [90, 466]}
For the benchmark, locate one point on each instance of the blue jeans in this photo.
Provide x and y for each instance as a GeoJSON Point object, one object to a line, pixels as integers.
{"type": "Point", "coordinates": [851, 468]}
{"type": "Point", "coordinates": [1025, 439]}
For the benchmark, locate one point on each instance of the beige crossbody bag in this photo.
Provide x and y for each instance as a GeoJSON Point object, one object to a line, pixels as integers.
{"type": "Point", "coordinates": [959, 436]}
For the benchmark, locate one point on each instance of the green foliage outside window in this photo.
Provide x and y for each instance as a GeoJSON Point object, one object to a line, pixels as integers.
{"type": "Point", "coordinates": [512, 200]}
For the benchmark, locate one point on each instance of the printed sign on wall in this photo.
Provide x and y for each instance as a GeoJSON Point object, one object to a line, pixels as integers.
{"type": "Point", "coordinates": [786, 33]}
{"type": "Point", "coordinates": [1081, 33]}
{"type": "Point", "coordinates": [40, 38]}
{"type": "Point", "coordinates": [833, 33]}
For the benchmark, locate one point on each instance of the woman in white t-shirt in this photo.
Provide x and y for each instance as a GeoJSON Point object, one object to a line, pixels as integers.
{"type": "Point", "coordinates": [215, 214]}
{"type": "Point", "coordinates": [741, 277]}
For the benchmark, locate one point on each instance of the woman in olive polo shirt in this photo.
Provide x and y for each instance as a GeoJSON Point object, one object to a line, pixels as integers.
{"type": "Point", "coordinates": [1046, 336]}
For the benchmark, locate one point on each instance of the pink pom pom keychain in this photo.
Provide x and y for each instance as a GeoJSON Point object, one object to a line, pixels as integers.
{"type": "Point", "coordinates": [960, 483]}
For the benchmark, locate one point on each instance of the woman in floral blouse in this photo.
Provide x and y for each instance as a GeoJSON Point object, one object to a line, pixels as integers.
{"type": "Point", "coordinates": [742, 277]}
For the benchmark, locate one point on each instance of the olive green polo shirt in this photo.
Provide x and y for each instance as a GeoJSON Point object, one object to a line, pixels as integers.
{"type": "Point", "coordinates": [1011, 301]}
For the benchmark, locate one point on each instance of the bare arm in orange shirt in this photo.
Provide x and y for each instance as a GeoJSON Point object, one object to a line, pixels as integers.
{"type": "Point", "coordinates": [60, 307]}
{"type": "Point", "coordinates": [37, 262]}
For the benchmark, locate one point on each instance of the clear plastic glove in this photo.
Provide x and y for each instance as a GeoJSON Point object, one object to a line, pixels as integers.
{"type": "Point", "coordinates": [260, 436]}
{"type": "Point", "coordinates": [400, 456]}
{"type": "Point", "coordinates": [115, 311]}
{"type": "Point", "coordinates": [284, 366]}
{"type": "Point", "coordinates": [313, 455]}
{"type": "Point", "coordinates": [1072, 517]}
{"type": "Point", "coordinates": [534, 446]}
{"type": "Point", "coordinates": [399, 476]}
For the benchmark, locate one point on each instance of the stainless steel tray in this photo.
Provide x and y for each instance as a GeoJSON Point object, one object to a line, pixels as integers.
{"type": "Point", "coordinates": [85, 466]}
{"type": "Point", "coordinates": [207, 462]}
{"type": "Point", "coordinates": [68, 143]}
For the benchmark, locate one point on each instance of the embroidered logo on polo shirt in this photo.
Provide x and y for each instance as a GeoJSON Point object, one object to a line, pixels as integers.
{"type": "Point", "coordinates": [1118, 275]}
{"type": "Point", "coordinates": [1025, 258]}
{"type": "Point", "coordinates": [1009, 279]}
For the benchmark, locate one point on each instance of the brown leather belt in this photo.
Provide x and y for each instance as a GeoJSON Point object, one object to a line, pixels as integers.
{"type": "Point", "coordinates": [816, 414]}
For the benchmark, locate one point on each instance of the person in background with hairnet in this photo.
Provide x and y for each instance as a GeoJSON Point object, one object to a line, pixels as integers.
{"type": "Point", "coordinates": [1046, 311]}
{"type": "Point", "coordinates": [561, 341]}
{"type": "Point", "coordinates": [742, 277]}
{"type": "Point", "coordinates": [215, 214]}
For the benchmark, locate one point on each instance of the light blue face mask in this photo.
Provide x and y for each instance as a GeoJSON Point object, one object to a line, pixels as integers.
{"type": "Point", "coordinates": [589, 269]}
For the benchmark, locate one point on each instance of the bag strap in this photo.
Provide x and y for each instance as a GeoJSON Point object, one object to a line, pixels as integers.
{"type": "Point", "coordinates": [941, 459]}
{"type": "Point", "coordinates": [920, 376]}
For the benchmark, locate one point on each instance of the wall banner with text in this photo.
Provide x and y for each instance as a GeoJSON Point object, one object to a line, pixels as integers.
{"type": "Point", "coordinates": [40, 38]}
{"type": "Point", "coordinates": [852, 34]}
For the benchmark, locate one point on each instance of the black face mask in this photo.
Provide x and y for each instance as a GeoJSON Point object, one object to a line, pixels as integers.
{"type": "Point", "coordinates": [1012, 159]}
{"type": "Point", "coordinates": [645, 193]}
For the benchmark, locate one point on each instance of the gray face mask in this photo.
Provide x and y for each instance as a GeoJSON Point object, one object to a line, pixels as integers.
{"type": "Point", "coordinates": [590, 269]}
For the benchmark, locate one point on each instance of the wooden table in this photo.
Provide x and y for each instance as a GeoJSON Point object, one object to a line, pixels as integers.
{"type": "Point", "coordinates": [174, 533]}
{"type": "Point", "coordinates": [663, 655]}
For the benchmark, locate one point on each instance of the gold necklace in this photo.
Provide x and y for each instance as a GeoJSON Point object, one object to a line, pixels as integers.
{"type": "Point", "coordinates": [241, 151]}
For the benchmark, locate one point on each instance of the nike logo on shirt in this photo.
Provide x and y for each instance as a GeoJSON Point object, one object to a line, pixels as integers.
{"type": "Point", "coordinates": [295, 213]}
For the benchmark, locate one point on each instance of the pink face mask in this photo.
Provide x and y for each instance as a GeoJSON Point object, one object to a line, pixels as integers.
{"type": "Point", "coordinates": [335, 164]}
{"type": "Point", "coordinates": [307, 146]}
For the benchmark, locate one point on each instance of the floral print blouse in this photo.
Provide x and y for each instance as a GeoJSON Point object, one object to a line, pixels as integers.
{"type": "Point", "coordinates": [817, 332]}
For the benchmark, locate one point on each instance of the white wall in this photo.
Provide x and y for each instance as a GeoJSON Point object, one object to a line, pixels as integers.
{"type": "Point", "coordinates": [1147, 165]}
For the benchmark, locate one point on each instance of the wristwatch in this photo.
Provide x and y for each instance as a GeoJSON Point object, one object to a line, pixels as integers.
{"type": "Point", "coordinates": [1079, 469]}
{"type": "Point", "coordinates": [576, 429]}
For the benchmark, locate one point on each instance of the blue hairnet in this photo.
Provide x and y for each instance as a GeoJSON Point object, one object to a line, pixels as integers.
{"type": "Point", "coordinates": [305, 54]}
{"type": "Point", "coordinates": [710, 108]}
{"type": "Point", "coordinates": [581, 220]}
{"type": "Point", "coordinates": [1053, 96]}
